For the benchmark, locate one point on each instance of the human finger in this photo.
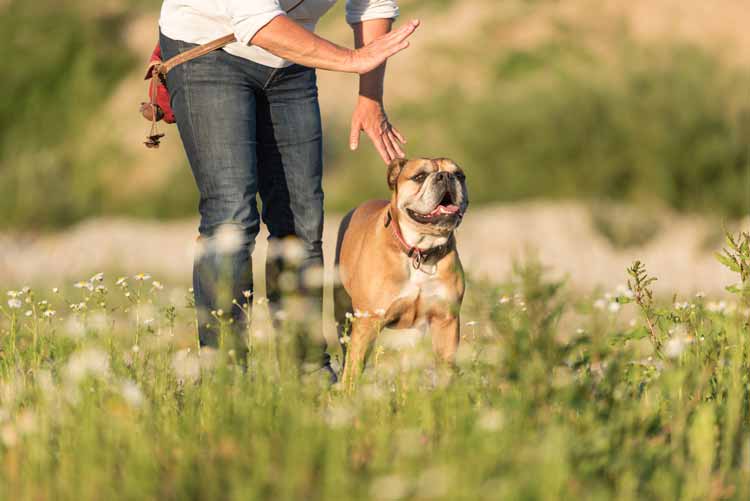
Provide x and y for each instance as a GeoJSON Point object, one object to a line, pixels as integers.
{"type": "Point", "coordinates": [391, 137]}
{"type": "Point", "coordinates": [354, 135]}
{"type": "Point", "coordinates": [388, 146]}
{"type": "Point", "coordinates": [398, 135]}
{"type": "Point", "coordinates": [377, 141]}
{"type": "Point", "coordinates": [403, 32]}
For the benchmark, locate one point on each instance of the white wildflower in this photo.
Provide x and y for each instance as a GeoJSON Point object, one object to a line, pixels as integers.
{"type": "Point", "coordinates": [313, 277]}
{"type": "Point", "coordinates": [157, 285]}
{"type": "Point", "coordinates": [86, 362]}
{"type": "Point", "coordinates": [490, 420]}
{"type": "Point", "coordinates": [142, 277]}
{"type": "Point", "coordinates": [8, 435]}
{"type": "Point", "coordinates": [674, 347]}
{"type": "Point", "coordinates": [504, 300]}
{"type": "Point", "coordinates": [99, 277]}
{"type": "Point", "coordinates": [614, 307]}
{"type": "Point", "coordinates": [14, 303]}
{"type": "Point", "coordinates": [339, 416]}
{"type": "Point", "coordinates": [186, 365]}
{"type": "Point", "coordinates": [131, 393]}
{"type": "Point", "coordinates": [49, 313]}
{"type": "Point", "coordinates": [55, 290]}
{"type": "Point", "coordinates": [281, 315]}
{"type": "Point", "coordinates": [228, 238]}
{"type": "Point", "coordinates": [26, 422]}
{"type": "Point", "coordinates": [74, 327]}
{"type": "Point", "coordinates": [373, 392]}
{"type": "Point", "coordinates": [361, 314]}
{"type": "Point", "coordinates": [28, 313]}
{"type": "Point", "coordinates": [717, 307]}
{"type": "Point", "coordinates": [600, 304]}
{"type": "Point", "coordinates": [81, 284]}
{"type": "Point", "coordinates": [623, 291]}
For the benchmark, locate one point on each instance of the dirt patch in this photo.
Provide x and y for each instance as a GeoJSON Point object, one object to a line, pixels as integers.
{"type": "Point", "coordinates": [561, 234]}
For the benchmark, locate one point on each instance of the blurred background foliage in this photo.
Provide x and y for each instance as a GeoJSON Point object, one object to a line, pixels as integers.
{"type": "Point", "coordinates": [533, 99]}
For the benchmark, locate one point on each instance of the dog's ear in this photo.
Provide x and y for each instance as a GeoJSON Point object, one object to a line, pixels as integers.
{"type": "Point", "coordinates": [394, 169]}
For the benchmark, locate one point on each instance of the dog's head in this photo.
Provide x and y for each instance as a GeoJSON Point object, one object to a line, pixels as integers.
{"type": "Point", "coordinates": [430, 192]}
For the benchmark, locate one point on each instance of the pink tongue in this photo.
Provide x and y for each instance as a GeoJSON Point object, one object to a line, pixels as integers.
{"type": "Point", "coordinates": [444, 209]}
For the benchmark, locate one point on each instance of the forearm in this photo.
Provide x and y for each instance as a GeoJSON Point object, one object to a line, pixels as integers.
{"type": "Point", "coordinates": [285, 38]}
{"type": "Point", "coordinates": [371, 83]}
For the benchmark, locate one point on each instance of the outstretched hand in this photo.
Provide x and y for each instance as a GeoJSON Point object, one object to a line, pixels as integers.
{"type": "Point", "coordinates": [369, 116]}
{"type": "Point", "coordinates": [372, 55]}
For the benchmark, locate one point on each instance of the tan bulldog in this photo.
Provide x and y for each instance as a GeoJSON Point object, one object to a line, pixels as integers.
{"type": "Point", "coordinates": [397, 262]}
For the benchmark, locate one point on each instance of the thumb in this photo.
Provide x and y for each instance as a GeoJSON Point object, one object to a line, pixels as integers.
{"type": "Point", "coordinates": [354, 136]}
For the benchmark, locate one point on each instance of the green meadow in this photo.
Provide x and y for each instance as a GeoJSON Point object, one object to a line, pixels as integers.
{"type": "Point", "coordinates": [104, 394]}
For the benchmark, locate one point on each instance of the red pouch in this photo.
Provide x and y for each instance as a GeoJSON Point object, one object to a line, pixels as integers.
{"type": "Point", "coordinates": [157, 107]}
{"type": "Point", "coordinates": [160, 92]}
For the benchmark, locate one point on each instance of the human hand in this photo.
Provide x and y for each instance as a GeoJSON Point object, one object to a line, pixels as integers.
{"type": "Point", "coordinates": [369, 116]}
{"type": "Point", "coordinates": [372, 55]}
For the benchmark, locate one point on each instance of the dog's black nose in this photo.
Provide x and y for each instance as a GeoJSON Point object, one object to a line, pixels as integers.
{"type": "Point", "coordinates": [441, 176]}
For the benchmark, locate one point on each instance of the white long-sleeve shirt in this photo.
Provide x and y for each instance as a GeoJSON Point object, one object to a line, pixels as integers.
{"type": "Point", "coordinates": [200, 21]}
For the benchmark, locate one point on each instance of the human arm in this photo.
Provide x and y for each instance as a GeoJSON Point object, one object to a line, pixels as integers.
{"type": "Point", "coordinates": [287, 39]}
{"type": "Point", "coordinates": [369, 113]}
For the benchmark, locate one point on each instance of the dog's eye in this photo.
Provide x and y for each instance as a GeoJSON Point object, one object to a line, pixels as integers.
{"type": "Point", "coordinates": [419, 178]}
{"type": "Point", "coordinates": [460, 176]}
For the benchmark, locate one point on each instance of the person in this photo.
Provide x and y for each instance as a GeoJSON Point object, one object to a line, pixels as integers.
{"type": "Point", "coordinates": [249, 120]}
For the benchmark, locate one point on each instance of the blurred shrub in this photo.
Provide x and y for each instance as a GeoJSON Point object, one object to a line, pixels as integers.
{"type": "Point", "coordinates": [643, 125]}
{"type": "Point", "coordinates": [657, 125]}
{"type": "Point", "coordinates": [58, 67]}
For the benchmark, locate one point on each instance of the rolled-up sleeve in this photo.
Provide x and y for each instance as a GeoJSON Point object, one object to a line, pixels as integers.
{"type": "Point", "coordinates": [249, 16]}
{"type": "Point", "coordinates": [364, 10]}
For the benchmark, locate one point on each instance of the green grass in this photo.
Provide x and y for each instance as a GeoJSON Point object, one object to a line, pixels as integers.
{"type": "Point", "coordinates": [555, 397]}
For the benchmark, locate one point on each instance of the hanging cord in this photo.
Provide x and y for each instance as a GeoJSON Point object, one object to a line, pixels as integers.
{"type": "Point", "coordinates": [154, 136]}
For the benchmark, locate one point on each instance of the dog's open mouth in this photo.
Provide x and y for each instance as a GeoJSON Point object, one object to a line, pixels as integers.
{"type": "Point", "coordinates": [446, 207]}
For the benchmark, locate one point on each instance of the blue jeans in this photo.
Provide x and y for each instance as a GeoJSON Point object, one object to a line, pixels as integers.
{"type": "Point", "coordinates": [250, 129]}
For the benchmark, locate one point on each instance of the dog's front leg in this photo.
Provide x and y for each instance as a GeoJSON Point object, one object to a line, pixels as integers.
{"type": "Point", "coordinates": [445, 336]}
{"type": "Point", "coordinates": [363, 333]}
